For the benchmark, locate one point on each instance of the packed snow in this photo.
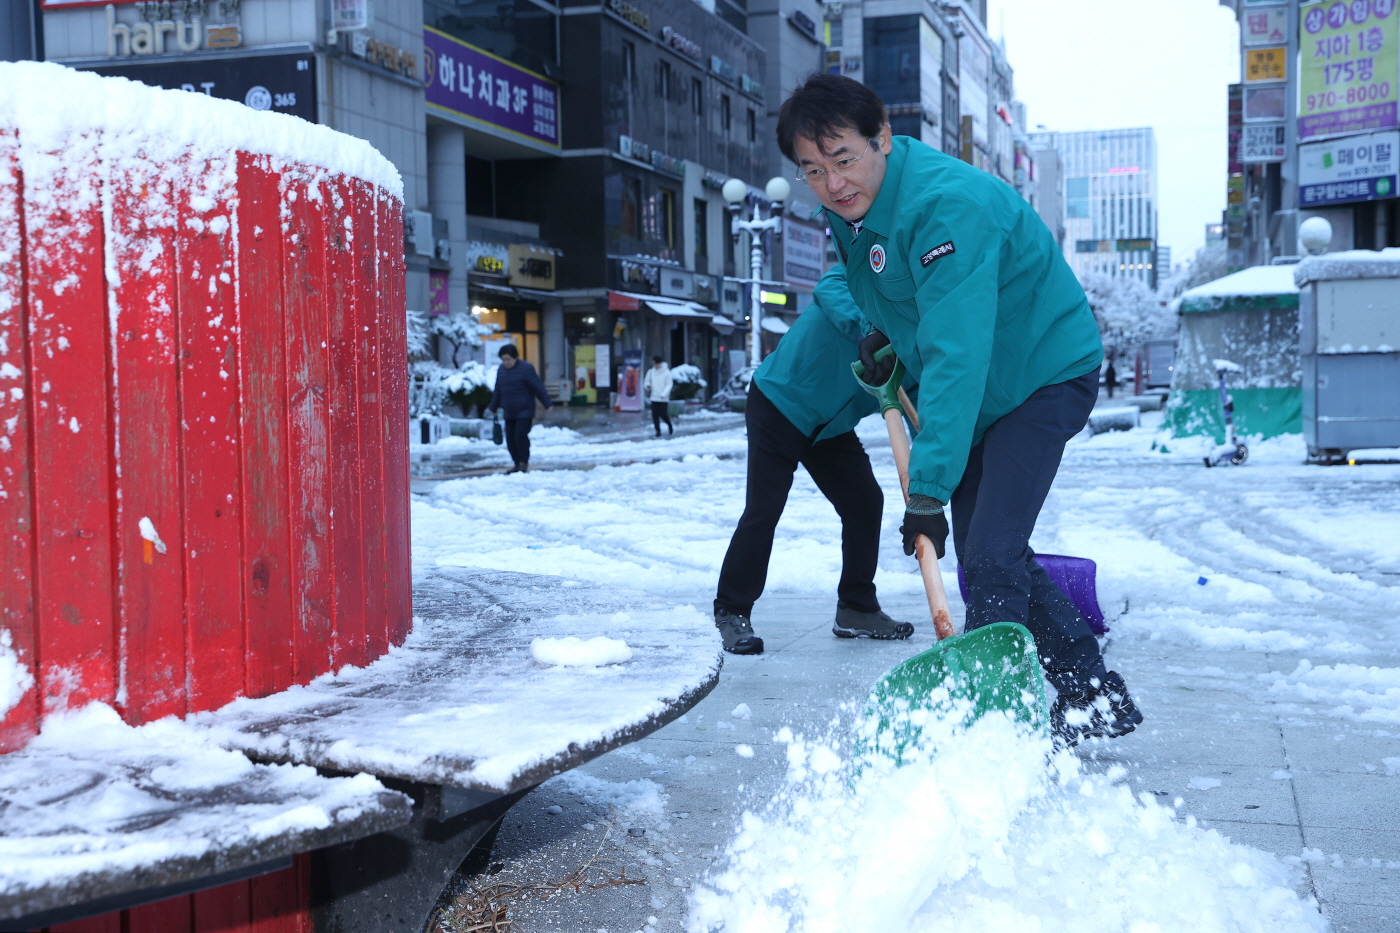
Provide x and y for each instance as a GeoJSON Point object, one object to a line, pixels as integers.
{"type": "Point", "coordinates": [1256, 280]}
{"type": "Point", "coordinates": [572, 651]}
{"type": "Point", "coordinates": [94, 802]}
{"type": "Point", "coordinates": [978, 834]}
{"type": "Point", "coordinates": [1348, 264]}
{"type": "Point", "coordinates": [52, 106]}
{"type": "Point", "coordinates": [465, 700]}
{"type": "Point", "coordinates": [15, 676]}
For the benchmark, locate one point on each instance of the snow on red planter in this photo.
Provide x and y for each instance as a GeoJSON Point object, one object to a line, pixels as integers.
{"type": "Point", "coordinates": [203, 451]}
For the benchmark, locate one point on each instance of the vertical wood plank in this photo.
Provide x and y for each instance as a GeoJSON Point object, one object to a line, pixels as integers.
{"type": "Point", "coordinates": [225, 909]}
{"type": "Point", "coordinates": [68, 340]}
{"type": "Point", "coordinates": [208, 321]}
{"type": "Point", "coordinates": [303, 226]}
{"type": "Point", "coordinates": [369, 336]}
{"type": "Point", "coordinates": [146, 428]}
{"type": "Point", "coordinates": [17, 608]}
{"type": "Point", "coordinates": [267, 593]}
{"type": "Point", "coordinates": [174, 915]}
{"type": "Point", "coordinates": [393, 368]}
{"type": "Point", "coordinates": [277, 902]}
{"type": "Point", "coordinates": [348, 570]}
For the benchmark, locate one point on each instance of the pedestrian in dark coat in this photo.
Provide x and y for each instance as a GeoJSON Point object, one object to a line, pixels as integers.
{"type": "Point", "coordinates": [1110, 378]}
{"type": "Point", "coordinates": [517, 387]}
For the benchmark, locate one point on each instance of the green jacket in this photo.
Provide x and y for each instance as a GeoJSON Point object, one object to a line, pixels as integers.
{"type": "Point", "coordinates": [966, 281]}
{"type": "Point", "coordinates": [808, 377]}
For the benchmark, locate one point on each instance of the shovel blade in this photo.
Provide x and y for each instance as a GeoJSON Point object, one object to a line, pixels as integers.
{"type": "Point", "coordinates": [990, 669]}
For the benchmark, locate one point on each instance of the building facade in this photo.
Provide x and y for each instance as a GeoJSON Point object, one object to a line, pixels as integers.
{"type": "Point", "coordinates": [1110, 191]}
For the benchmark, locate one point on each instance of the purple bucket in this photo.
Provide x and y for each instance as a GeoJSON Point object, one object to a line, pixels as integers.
{"type": "Point", "coordinates": [1075, 578]}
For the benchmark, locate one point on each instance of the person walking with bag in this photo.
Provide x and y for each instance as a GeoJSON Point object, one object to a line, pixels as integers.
{"type": "Point", "coordinates": [657, 388]}
{"type": "Point", "coordinates": [517, 387]}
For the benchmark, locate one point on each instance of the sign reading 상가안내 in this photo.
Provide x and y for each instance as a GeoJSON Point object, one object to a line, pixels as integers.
{"type": "Point", "coordinates": [463, 80]}
{"type": "Point", "coordinates": [1358, 168]}
{"type": "Point", "coordinates": [1350, 67]}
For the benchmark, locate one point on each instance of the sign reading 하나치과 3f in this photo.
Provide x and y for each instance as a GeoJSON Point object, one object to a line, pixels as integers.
{"type": "Point", "coordinates": [1350, 67]}
{"type": "Point", "coordinates": [463, 80]}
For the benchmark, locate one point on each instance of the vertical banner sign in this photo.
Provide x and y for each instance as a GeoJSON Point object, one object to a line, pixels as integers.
{"type": "Point", "coordinates": [629, 387]}
{"type": "Point", "coordinates": [1235, 136]}
{"type": "Point", "coordinates": [804, 250]}
{"type": "Point", "coordinates": [585, 366]}
{"type": "Point", "coordinates": [462, 80]}
{"type": "Point", "coordinates": [1350, 68]}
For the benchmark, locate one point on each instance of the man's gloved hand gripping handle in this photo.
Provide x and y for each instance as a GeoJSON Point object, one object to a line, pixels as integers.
{"type": "Point", "coordinates": [923, 515]}
{"type": "Point", "coordinates": [877, 370]}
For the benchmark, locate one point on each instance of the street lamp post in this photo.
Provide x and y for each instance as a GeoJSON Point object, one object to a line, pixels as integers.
{"type": "Point", "coordinates": [734, 191]}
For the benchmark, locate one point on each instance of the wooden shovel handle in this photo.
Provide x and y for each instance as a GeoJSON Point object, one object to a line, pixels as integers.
{"type": "Point", "coordinates": [923, 547]}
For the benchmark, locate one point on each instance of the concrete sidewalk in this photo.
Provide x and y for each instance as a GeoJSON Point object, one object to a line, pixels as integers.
{"type": "Point", "coordinates": [1288, 783]}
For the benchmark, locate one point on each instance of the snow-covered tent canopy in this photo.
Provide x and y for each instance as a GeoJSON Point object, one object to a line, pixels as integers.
{"type": "Point", "coordinates": [1249, 318]}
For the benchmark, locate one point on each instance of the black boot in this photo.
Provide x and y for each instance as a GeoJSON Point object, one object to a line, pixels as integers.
{"type": "Point", "coordinates": [737, 632]}
{"type": "Point", "coordinates": [1103, 710]}
{"type": "Point", "coordinates": [852, 623]}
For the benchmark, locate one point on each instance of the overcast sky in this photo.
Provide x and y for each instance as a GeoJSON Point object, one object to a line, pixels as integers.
{"type": "Point", "coordinates": [1110, 64]}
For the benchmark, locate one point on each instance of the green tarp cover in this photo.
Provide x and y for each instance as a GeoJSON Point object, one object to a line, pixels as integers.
{"type": "Point", "coordinates": [1264, 412]}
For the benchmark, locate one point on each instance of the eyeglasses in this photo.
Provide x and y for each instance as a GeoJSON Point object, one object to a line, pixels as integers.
{"type": "Point", "coordinates": [842, 167]}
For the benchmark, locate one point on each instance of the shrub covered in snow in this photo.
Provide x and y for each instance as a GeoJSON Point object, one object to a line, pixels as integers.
{"type": "Point", "coordinates": [433, 384]}
{"type": "Point", "coordinates": [686, 382]}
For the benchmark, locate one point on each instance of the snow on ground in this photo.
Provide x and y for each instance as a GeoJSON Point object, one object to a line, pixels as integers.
{"type": "Point", "coordinates": [1273, 582]}
{"type": "Point", "coordinates": [554, 445]}
{"type": "Point", "coordinates": [982, 836]}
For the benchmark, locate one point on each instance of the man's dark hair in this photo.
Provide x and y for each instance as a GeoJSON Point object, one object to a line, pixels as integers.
{"type": "Point", "coordinates": [509, 349]}
{"type": "Point", "coordinates": [825, 107]}
{"type": "Point", "coordinates": [658, 359]}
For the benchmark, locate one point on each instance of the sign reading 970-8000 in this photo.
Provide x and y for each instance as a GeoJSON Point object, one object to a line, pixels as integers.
{"type": "Point", "coordinates": [284, 83]}
{"type": "Point", "coordinates": [1349, 67]}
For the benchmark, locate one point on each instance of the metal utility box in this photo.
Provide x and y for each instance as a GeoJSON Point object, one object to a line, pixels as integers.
{"type": "Point", "coordinates": [1349, 305]}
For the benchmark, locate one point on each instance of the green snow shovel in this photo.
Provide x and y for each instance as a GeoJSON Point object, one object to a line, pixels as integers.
{"type": "Point", "coordinates": [992, 668]}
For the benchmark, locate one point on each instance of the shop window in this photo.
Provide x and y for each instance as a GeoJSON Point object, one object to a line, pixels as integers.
{"type": "Point", "coordinates": [629, 63]}
{"type": "Point", "coordinates": [697, 97]}
{"type": "Point", "coordinates": [663, 80]}
{"type": "Point", "coordinates": [667, 219]}
{"type": "Point", "coordinates": [753, 126]}
{"type": "Point", "coordinates": [631, 206]}
{"type": "Point", "coordinates": [702, 235]}
{"type": "Point", "coordinates": [520, 31]}
{"type": "Point", "coordinates": [519, 325]}
{"type": "Point", "coordinates": [725, 117]}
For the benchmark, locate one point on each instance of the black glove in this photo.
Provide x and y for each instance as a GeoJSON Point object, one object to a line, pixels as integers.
{"type": "Point", "coordinates": [877, 372]}
{"type": "Point", "coordinates": [924, 516]}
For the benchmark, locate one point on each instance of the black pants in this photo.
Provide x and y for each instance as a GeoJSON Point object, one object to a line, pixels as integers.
{"type": "Point", "coordinates": [995, 508]}
{"type": "Point", "coordinates": [841, 471]}
{"type": "Point", "coordinates": [661, 411]}
{"type": "Point", "coordinates": [518, 438]}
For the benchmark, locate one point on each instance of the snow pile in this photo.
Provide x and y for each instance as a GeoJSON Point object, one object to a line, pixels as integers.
{"type": "Point", "coordinates": [629, 798]}
{"type": "Point", "coordinates": [1256, 280]}
{"type": "Point", "coordinates": [15, 677]}
{"type": "Point", "coordinates": [1349, 264]}
{"type": "Point", "coordinates": [1353, 691]}
{"type": "Point", "coordinates": [572, 651]}
{"type": "Point", "coordinates": [980, 835]}
{"type": "Point", "coordinates": [91, 795]}
{"type": "Point", "coordinates": [53, 106]}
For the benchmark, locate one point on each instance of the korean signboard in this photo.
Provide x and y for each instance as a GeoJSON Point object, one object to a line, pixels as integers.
{"type": "Point", "coordinates": [1263, 142]}
{"type": "Point", "coordinates": [1265, 65]}
{"type": "Point", "coordinates": [804, 249]}
{"type": "Point", "coordinates": [1350, 69]}
{"type": "Point", "coordinates": [1358, 168]}
{"type": "Point", "coordinates": [463, 80]}
{"type": "Point", "coordinates": [1265, 27]}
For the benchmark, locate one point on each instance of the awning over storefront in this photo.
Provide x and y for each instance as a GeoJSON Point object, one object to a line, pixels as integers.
{"type": "Point", "coordinates": [671, 307]}
{"type": "Point", "coordinates": [774, 325]}
{"type": "Point", "coordinates": [722, 324]}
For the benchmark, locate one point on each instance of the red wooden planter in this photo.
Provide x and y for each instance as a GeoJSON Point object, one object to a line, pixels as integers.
{"type": "Point", "coordinates": [203, 411]}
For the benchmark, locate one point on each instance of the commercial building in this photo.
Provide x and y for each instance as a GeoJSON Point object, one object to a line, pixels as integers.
{"type": "Point", "coordinates": [1314, 128]}
{"type": "Point", "coordinates": [1110, 184]}
{"type": "Point", "coordinates": [1050, 191]}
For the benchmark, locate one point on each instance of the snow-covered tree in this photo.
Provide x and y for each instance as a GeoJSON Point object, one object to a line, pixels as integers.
{"type": "Point", "coordinates": [431, 383]}
{"type": "Point", "coordinates": [1128, 312]}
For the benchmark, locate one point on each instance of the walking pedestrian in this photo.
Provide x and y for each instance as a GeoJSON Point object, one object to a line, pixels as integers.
{"type": "Point", "coordinates": [656, 385]}
{"type": "Point", "coordinates": [517, 387]}
{"type": "Point", "coordinates": [961, 276]}
{"type": "Point", "coordinates": [803, 406]}
{"type": "Point", "coordinates": [1110, 377]}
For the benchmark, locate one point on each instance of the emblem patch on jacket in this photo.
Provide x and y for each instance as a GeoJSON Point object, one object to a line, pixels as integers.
{"type": "Point", "coordinates": [938, 252]}
{"type": "Point", "coordinates": [877, 257]}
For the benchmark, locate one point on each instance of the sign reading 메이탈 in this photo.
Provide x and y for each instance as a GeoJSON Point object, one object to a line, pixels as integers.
{"type": "Point", "coordinates": [463, 80]}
